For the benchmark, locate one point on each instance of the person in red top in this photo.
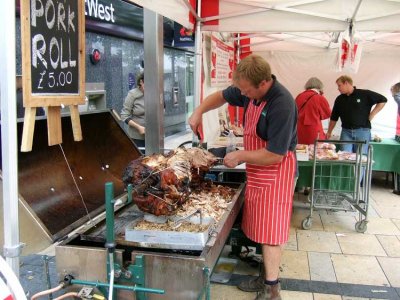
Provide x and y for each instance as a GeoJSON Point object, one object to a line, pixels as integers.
{"type": "Point", "coordinates": [395, 89]}
{"type": "Point", "coordinates": [312, 107]}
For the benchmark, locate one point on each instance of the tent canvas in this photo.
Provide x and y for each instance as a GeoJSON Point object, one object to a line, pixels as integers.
{"type": "Point", "coordinates": [300, 39]}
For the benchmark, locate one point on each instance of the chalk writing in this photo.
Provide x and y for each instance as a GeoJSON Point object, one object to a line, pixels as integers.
{"type": "Point", "coordinates": [54, 46]}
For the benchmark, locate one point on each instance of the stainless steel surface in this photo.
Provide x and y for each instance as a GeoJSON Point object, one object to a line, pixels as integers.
{"type": "Point", "coordinates": [168, 239]}
{"type": "Point", "coordinates": [179, 272]}
{"type": "Point", "coordinates": [50, 204]}
{"type": "Point", "coordinates": [154, 80]}
{"type": "Point", "coordinates": [9, 147]}
{"type": "Point", "coordinates": [84, 263]}
{"type": "Point", "coordinates": [186, 278]}
{"type": "Point", "coordinates": [95, 98]}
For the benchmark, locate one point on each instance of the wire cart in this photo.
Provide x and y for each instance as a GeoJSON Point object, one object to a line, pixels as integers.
{"type": "Point", "coordinates": [341, 184]}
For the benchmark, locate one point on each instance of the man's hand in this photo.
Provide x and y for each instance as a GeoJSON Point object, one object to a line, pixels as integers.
{"type": "Point", "coordinates": [231, 160]}
{"type": "Point", "coordinates": [378, 107]}
{"type": "Point", "coordinates": [195, 121]}
{"type": "Point", "coordinates": [331, 126]}
{"type": "Point", "coordinates": [328, 135]}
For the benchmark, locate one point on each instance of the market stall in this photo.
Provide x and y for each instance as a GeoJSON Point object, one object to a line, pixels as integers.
{"type": "Point", "coordinates": [301, 40]}
{"type": "Point", "coordinates": [237, 18]}
{"type": "Point", "coordinates": [76, 196]}
{"type": "Point", "coordinates": [387, 157]}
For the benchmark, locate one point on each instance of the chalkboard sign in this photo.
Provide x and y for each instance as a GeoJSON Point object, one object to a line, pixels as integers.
{"type": "Point", "coordinates": [53, 43]}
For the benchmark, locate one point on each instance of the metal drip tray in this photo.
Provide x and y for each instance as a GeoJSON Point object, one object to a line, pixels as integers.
{"type": "Point", "coordinates": [163, 253]}
{"type": "Point", "coordinates": [182, 240]}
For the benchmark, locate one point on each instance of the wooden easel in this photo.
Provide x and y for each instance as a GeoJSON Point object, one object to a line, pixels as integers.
{"type": "Point", "coordinates": [45, 82]}
{"type": "Point", "coordinates": [54, 130]}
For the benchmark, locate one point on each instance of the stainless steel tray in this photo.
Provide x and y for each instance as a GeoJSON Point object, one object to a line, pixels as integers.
{"type": "Point", "coordinates": [167, 239]}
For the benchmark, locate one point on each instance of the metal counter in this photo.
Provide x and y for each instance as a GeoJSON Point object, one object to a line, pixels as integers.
{"type": "Point", "coordinates": [183, 274]}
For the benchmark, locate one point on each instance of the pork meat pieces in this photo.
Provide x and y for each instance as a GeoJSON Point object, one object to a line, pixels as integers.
{"type": "Point", "coordinates": [162, 183]}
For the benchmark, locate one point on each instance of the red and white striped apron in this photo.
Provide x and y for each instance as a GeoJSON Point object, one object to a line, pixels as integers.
{"type": "Point", "coordinates": [269, 190]}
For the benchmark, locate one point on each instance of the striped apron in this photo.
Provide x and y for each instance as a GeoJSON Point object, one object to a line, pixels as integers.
{"type": "Point", "coordinates": [269, 190]}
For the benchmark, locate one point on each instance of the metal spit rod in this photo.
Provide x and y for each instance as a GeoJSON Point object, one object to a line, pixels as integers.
{"type": "Point", "coordinates": [46, 270]}
{"type": "Point", "coordinates": [178, 223]}
{"type": "Point", "coordinates": [76, 185]}
{"type": "Point", "coordinates": [117, 286]}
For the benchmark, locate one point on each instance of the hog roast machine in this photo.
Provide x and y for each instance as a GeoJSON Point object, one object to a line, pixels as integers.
{"type": "Point", "coordinates": [63, 188]}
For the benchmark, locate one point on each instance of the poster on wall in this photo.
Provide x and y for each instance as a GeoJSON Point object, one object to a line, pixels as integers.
{"type": "Point", "coordinates": [183, 37]}
{"type": "Point", "coordinates": [222, 58]}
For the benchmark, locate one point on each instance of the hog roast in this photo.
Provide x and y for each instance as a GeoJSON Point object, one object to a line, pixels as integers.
{"type": "Point", "coordinates": [163, 183]}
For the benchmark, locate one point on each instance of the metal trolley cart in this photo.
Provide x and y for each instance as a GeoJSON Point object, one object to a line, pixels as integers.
{"type": "Point", "coordinates": [342, 184]}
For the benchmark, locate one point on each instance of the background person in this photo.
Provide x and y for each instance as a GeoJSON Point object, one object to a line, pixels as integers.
{"type": "Point", "coordinates": [395, 89]}
{"type": "Point", "coordinates": [353, 107]}
{"type": "Point", "coordinates": [312, 107]}
{"type": "Point", "coordinates": [133, 113]}
{"type": "Point", "coordinates": [270, 161]}
{"type": "Point", "coordinates": [396, 96]}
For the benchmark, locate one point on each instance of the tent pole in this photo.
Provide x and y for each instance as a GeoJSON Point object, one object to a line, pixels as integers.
{"type": "Point", "coordinates": [237, 62]}
{"type": "Point", "coordinates": [356, 10]}
{"type": "Point", "coordinates": [198, 58]}
{"type": "Point", "coordinates": [154, 80]}
{"type": "Point", "coordinates": [12, 246]}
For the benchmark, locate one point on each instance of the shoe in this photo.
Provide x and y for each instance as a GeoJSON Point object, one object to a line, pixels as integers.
{"type": "Point", "coordinates": [270, 292]}
{"type": "Point", "coordinates": [254, 285]}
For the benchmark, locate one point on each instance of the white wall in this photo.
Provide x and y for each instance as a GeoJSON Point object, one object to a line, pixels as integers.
{"type": "Point", "coordinates": [378, 71]}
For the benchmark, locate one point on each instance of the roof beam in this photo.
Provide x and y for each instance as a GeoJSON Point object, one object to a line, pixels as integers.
{"type": "Point", "coordinates": [231, 15]}
{"type": "Point", "coordinates": [377, 16]}
{"type": "Point", "coordinates": [260, 7]}
{"type": "Point", "coordinates": [329, 22]}
{"type": "Point", "coordinates": [382, 42]}
{"type": "Point", "coordinates": [288, 8]}
{"type": "Point", "coordinates": [353, 17]}
{"type": "Point", "coordinates": [191, 9]}
{"type": "Point", "coordinates": [307, 37]}
{"type": "Point", "coordinates": [276, 40]}
{"type": "Point", "coordinates": [250, 36]}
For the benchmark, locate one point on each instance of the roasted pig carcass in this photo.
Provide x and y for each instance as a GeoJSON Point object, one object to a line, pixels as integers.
{"type": "Point", "coordinates": [162, 184]}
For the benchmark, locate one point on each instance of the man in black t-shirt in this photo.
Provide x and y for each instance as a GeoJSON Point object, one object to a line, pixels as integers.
{"type": "Point", "coordinates": [353, 107]}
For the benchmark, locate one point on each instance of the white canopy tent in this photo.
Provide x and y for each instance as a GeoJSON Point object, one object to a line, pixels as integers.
{"type": "Point", "coordinates": [282, 24]}
{"type": "Point", "coordinates": [301, 38]}
{"type": "Point", "coordinates": [298, 38]}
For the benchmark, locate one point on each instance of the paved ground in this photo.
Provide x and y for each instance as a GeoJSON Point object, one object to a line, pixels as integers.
{"type": "Point", "coordinates": [329, 261]}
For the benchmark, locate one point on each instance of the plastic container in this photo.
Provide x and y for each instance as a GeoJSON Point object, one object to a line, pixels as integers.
{"type": "Point", "coordinates": [231, 142]}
